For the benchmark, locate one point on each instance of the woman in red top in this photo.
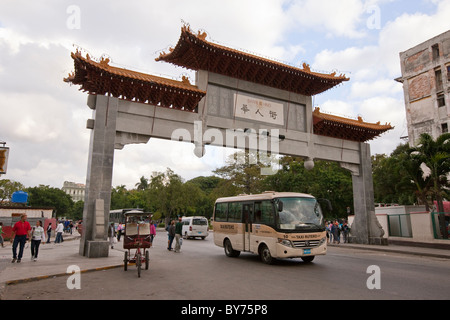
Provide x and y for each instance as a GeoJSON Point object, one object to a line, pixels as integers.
{"type": "Point", "coordinates": [20, 231]}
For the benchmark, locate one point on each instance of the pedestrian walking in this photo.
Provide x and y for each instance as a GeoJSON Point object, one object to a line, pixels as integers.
{"type": "Point", "coordinates": [335, 230]}
{"type": "Point", "coordinates": [38, 236]}
{"type": "Point", "coordinates": [152, 231]}
{"type": "Point", "coordinates": [330, 226]}
{"type": "Point", "coordinates": [49, 232]}
{"type": "Point", "coordinates": [20, 232]}
{"type": "Point", "coordinates": [111, 234]}
{"type": "Point", "coordinates": [345, 231]}
{"type": "Point", "coordinates": [171, 234]}
{"type": "Point", "coordinates": [119, 231]}
{"type": "Point", "coordinates": [178, 233]}
{"type": "Point", "coordinates": [59, 231]}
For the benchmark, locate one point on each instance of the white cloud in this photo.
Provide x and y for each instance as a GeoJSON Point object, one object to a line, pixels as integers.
{"type": "Point", "coordinates": [339, 108]}
{"type": "Point", "coordinates": [334, 18]}
{"type": "Point", "coordinates": [381, 87]}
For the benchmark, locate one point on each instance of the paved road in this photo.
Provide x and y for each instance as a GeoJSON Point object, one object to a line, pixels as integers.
{"type": "Point", "coordinates": [203, 272]}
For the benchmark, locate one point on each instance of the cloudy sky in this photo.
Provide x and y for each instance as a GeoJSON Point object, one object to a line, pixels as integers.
{"type": "Point", "coordinates": [43, 119]}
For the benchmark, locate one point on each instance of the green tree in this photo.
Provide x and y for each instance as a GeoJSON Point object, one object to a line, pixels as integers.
{"type": "Point", "coordinates": [326, 180]}
{"type": "Point", "coordinates": [120, 198]}
{"type": "Point", "coordinates": [435, 155]}
{"type": "Point", "coordinates": [45, 196]}
{"type": "Point", "coordinates": [7, 188]}
{"type": "Point", "coordinates": [243, 170]}
{"type": "Point", "coordinates": [77, 210]}
{"type": "Point", "coordinates": [142, 184]}
{"type": "Point", "coordinates": [398, 178]}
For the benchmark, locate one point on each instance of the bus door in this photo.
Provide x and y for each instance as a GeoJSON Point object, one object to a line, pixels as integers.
{"type": "Point", "coordinates": [247, 214]}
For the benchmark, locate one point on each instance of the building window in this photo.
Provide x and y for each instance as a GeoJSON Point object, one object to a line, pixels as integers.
{"type": "Point", "coordinates": [438, 76]}
{"type": "Point", "coordinates": [444, 127]}
{"type": "Point", "coordinates": [448, 73]}
{"type": "Point", "coordinates": [441, 100]}
{"type": "Point", "coordinates": [435, 50]}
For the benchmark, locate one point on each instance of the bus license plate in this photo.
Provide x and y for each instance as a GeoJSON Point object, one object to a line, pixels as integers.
{"type": "Point", "coordinates": [306, 251]}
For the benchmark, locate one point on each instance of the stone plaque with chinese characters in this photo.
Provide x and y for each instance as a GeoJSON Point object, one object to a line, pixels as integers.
{"type": "Point", "coordinates": [257, 109]}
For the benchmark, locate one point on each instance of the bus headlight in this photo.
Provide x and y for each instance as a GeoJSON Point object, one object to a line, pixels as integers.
{"type": "Point", "coordinates": [285, 242]}
{"type": "Point", "coordinates": [322, 241]}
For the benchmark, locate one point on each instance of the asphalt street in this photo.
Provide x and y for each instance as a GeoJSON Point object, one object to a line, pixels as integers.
{"type": "Point", "coordinates": [203, 272]}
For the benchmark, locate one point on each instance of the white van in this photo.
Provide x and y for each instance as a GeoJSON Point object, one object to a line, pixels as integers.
{"type": "Point", "coordinates": [195, 227]}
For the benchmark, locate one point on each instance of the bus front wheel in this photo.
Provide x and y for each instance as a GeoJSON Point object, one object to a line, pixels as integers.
{"type": "Point", "coordinates": [265, 255]}
{"type": "Point", "coordinates": [229, 251]}
{"type": "Point", "coordinates": [308, 259]}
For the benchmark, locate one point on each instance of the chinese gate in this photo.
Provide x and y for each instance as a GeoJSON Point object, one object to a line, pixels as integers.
{"type": "Point", "coordinates": [238, 100]}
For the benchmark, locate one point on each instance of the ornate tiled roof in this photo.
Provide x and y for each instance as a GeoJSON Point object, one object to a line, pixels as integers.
{"type": "Point", "coordinates": [102, 78]}
{"type": "Point", "coordinates": [193, 51]}
{"type": "Point", "coordinates": [345, 128]}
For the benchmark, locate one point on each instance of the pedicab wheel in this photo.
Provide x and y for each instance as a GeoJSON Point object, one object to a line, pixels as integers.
{"type": "Point", "coordinates": [125, 261]}
{"type": "Point", "coordinates": [138, 264]}
{"type": "Point", "coordinates": [147, 259]}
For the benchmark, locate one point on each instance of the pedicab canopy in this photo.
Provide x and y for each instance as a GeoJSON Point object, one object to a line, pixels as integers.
{"type": "Point", "coordinates": [194, 52]}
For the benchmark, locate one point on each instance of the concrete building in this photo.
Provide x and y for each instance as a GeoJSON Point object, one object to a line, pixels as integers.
{"type": "Point", "coordinates": [426, 85]}
{"type": "Point", "coordinates": [75, 190]}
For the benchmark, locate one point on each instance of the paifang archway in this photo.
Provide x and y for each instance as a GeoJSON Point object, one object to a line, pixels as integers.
{"type": "Point", "coordinates": [236, 95]}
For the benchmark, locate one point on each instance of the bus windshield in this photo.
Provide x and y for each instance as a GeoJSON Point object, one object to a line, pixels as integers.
{"type": "Point", "coordinates": [299, 214]}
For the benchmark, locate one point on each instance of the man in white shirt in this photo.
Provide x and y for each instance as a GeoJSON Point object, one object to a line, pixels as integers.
{"type": "Point", "coordinates": [59, 230]}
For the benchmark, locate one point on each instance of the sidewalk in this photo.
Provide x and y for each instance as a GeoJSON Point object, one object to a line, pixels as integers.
{"type": "Point", "coordinates": [54, 259]}
{"type": "Point", "coordinates": [410, 249]}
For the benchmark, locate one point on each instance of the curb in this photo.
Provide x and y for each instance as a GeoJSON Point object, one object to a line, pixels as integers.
{"type": "Point", "coordinates": [416, 253]}
{"type": "Point", "coordinates": [12, 282]}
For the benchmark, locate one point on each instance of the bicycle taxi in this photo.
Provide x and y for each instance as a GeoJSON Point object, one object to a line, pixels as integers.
{"type": "Point", "coordinates": [137, 236]}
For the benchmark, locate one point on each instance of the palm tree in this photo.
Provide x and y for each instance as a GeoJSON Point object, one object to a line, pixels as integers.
{"type": "Point", "coordinates": [142, 184]}
{"type": "Point", "coordinates": [411, 163]}
{"type": "Point", "coordinates": [436, 156]}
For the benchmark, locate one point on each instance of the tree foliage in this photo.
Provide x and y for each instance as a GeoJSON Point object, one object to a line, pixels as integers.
{"type": "Point", "coordinates": [7, 188]}
{"type": "Point", "coordinates": [46, 196]}
{"type": "Point", "coordinates": [327, 180]}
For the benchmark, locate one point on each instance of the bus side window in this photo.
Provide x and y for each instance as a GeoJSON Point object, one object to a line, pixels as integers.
{"type": "Point", "coordinates": [221, 212]}
{"type": "Point", "coordinates": [258, 213]}
{"type": "Point", "coordinates": [267, 216]}
{"type": "Point", "coordinates": [234, 212]}
{"type": "Point", "coordinates": [247, 212]}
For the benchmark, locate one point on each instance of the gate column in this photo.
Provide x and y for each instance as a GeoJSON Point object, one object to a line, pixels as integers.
{"type": "Point", "coordinates": [97, 200]}
{"type": "Point", "coordinates": [365, 228]}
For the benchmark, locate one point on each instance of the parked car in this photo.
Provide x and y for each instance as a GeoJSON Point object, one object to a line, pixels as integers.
{"type": "Point", "coordinates": [195, 227]}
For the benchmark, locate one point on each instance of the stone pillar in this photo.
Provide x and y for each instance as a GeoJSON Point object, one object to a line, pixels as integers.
{"type": "Point", "coordinates": [365, 228]}
{"type": "Point", "coordinates": [97, 199]}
